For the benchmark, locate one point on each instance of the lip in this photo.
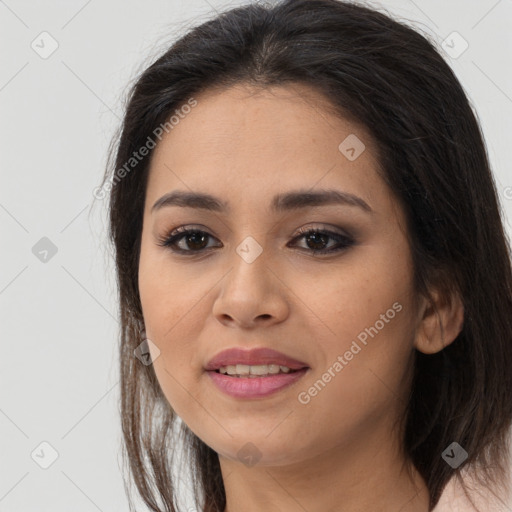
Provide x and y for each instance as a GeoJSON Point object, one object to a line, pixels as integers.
{"type": "Point", "coordinates": [258, 387]}
{"type": "Point", "coordinates": [256, 356]}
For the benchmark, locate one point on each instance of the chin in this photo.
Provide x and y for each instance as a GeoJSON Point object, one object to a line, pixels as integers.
{"type": "Point", "coordinates": [256, 450]}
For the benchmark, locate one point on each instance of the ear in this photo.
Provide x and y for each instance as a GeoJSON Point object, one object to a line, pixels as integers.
{"type": "Point", "coordinates": [441, 321]}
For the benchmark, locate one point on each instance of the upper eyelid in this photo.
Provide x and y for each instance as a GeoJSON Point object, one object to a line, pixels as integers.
{"type": "Point", "coordinates": [176, 235]}
{"type": "Point", "coordinates": [298, 232]}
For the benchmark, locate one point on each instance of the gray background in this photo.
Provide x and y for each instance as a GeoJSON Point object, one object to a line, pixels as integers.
{"type": "Point", "coordinates": [59, 379]}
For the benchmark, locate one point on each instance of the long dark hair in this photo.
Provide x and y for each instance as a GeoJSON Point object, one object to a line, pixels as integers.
{"type": "Point", "coordinates": [390, 78]}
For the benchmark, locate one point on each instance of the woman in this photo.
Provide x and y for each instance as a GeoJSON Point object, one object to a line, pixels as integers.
{"type": "Point", "coordinates": [313, 271]}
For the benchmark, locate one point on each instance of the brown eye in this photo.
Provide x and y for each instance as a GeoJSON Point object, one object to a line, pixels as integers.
{"type": "Point", "coordinates": [191, 240]}
{"type": "Point", "coordinates": [187, 240]}
{"type": "Point", "coordinates": [317, 240]}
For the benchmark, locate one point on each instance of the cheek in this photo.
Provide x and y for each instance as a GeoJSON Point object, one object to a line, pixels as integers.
{"type": "Point", "coordinates": [171, 323]}
{"type": "Point", "coordinates": [367, 321]}
{"type": "Point", "coordinates": [353, 298]}
{"type": "Point", "coordinates": [174, 308]}
{"type": "Point", "coordinates": [163, 308]}
{"type": "Point", "coordinates": [364, 379]}
{"type": "Point", "coordinates": [165, 294]}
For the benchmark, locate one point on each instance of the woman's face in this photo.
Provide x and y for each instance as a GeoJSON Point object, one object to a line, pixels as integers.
{"type": "Point", "coordinates": [251, 279]}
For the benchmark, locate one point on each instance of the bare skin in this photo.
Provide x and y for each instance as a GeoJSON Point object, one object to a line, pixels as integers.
{"type": "Point", "coordinates": [338, 449]}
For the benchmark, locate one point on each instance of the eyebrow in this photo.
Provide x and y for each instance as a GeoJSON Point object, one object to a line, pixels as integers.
{"type": "Point", "coordinates": [288, 201]}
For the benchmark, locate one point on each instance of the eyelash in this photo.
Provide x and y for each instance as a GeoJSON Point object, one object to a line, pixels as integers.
{"type": "Point", "coordinates": [170, 240]}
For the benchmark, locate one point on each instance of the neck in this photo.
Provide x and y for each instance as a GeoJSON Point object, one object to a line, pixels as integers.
{"type": "Point", "coordinates": [368, 474]}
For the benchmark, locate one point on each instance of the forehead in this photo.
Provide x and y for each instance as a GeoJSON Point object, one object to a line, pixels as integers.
{"type": "Point", "coordinates": [249, 143]}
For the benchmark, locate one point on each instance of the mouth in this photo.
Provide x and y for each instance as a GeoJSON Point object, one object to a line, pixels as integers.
{"type": "Point", "coordinates": [244, 371]}
{"type": "Point", "coordinates": [251, 386]}
{"type": "Point", "coordinates": [271, 359]}
{"type": "Point", "coordinates": [255, 373]}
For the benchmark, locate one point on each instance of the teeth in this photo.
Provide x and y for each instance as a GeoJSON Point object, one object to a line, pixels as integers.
{"type": "Point", "coordinates": [240, 369]}
{"type": "Point", "coordinates": [244, 370]}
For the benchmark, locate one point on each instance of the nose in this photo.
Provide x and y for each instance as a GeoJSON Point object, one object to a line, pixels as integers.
{"type": "Point", "coordinates": [252, 293]}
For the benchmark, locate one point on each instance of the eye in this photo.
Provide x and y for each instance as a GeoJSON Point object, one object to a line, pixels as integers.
{"type": "Point", "coordinates": [197, 240]}
{"type": "Point", "coordinates": [316, 238]}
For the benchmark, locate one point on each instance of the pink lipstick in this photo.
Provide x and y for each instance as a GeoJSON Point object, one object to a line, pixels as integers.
{"type": "Point", "coordinates": [255, 373]}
